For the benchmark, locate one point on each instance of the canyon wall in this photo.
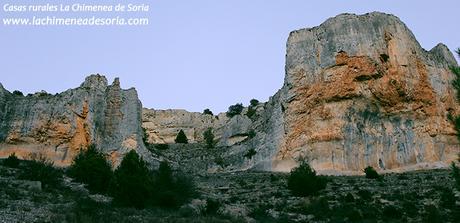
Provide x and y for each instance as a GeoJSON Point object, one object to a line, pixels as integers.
{"type": "Point", "coordinates": [235, 137]}
{"type": "Point", "coordinates": [58, 126]}
{"type": "Point", "coordinates": [358, 91]}
{"type": "Point", "coordinates": [162, 126]}
{"type": "Point", "coordinates": [361, 91]}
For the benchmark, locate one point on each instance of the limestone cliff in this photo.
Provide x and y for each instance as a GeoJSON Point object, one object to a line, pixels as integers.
{"type": "Point", "coordinates": [58, 126]}
{"type": "Point", "coordinates": [358, 91]}
{"type": "Point", "coordinates": [361, 91]}
{"type": "Point", "coordinates": [162, 126]}
{"type": "Point", "coordinates": [235, 136]}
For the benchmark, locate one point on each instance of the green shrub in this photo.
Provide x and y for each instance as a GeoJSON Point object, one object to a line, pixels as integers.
{"type": "Point", "coordinates": [456, 122]}
{"type": "Point", "coordinates": [162, 146]}
{"type": "Point", "coordinates": [273, 178]}
{"type": "Point", "coordinates": [145, 136]}
{"type": "Point", "coordinates": [131, 184]}
{"type": "Point", "coordinates": [42, 94]}
{"type": "Point", "coordinates": [447, 198]}
{"type": "Point", "coordinates": [402, 176]}
{"type": "Point", "coordinates": [181, 137]}
{"type": "Point", "coordinates": [219, 161]}
{"type": "Point", "coordinates": [251, 112]}
{"type": "Point", "coordinates": [391, 212]}
{"type": "Point", "coordinates": [207, 112]}
{"type": "Point", "coordinates": [432, 215]}
{"type": "Point", "coordinates": [251, 152]}
{"type": "Point", "coordinates": [172, 189]}
{"type": "Point", "coordinates": [251, 134]}
{"type": "Point", "coordinates": [349, 198]}
{"type": "Point", "coordinates": [353, 215]}
{"type": "Point", "coordinates": [455, 174]}
{"type": "Point", "coordinates": [303, 180]}
{"type": "Point", "coordinates": [18, 93]}
{"type": "Point", "coordinates": [134, 185]}
{"type": "Point", "coordinates": [184, 188]}
{"type": "Point", "coordinates": [318, 207]}
{"type": "Point", "coordinates": [456, 81]}
{"type": "Point", "coordinates": [251, 109]}
{"type": "Point", "coordinates": [260, 213]}
{"type": "Point", "coordinates": [369, 210]}
{"type": "Point", "coordinates": [12, 161]}
{"type": "Point", "coordinates": [371, 173]}
{"type": "Point", "coordinates": [235, 109]}
{"type": "Point", "coordinates": [87, 210]}
{"type": "Point", "coordinates": [92, 168]}
{"type": "Point", "coordinates": [384, 57]}
{"type": "Point", "coordinates": [39, 168]}
{"type": "Point", "coordinates": [410, 209]}
{"type": "Point", "coordinates": [208, 137]}
{"type": "Point", "coordinates": [365, 194]}
{"type": "Point", "coordinates": [212, 207]}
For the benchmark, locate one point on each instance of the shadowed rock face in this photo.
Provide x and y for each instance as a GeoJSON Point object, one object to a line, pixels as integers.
{"type": "Point", "coordinates": [361, 91]}
{"type": "Point", "coordinates": [62, 124]}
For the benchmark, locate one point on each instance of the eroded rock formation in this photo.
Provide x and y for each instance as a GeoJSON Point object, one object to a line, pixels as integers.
{"type": "Point", "coordinates": [361, 91]}
{"type": "Point", "coordinates": [58, 126]}
{"type": "Point", "coordinates": [358, 91]}
{"type": "Point", "coordinates": [162, 126]}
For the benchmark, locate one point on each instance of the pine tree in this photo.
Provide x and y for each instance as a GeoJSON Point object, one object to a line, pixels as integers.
{"type": "Point", "coordinates": [303, 180]}
{"type": "Point", "coordinates": [132, 182]}
{"type": "Point", "coordinates": [209, 138]}
{"type": "Point", "coordinates": [235, 109]}
{"type": "Point", "coordinates": [207, 112]}
{"type": "Point", "coordinates": [181, 137]}
{"type": "Point", "coordinates": [92, 168]}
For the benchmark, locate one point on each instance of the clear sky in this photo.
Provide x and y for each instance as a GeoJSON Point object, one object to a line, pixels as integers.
{"type": "Point", "coordinates": [194, 54]}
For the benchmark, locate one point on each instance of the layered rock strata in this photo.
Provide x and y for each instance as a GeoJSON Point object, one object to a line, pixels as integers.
{"type": "Point", "coordinates": [361, 91]}
{"type": "Point", "coordinates": [58, 126]}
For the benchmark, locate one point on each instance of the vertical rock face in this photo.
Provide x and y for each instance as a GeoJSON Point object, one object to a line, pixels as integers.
{"type": "Point", "coordinates": [361, 91]}
{"type": "Point", "coordinates": [58, 126]}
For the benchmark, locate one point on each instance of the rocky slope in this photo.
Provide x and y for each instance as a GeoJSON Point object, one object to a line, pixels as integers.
{"type": "Point", "coordinates": [244, 197]}
{"type": "Point", "coordinates": [58, 126]}
{"type": "Point", "coordinates": [358, 91]}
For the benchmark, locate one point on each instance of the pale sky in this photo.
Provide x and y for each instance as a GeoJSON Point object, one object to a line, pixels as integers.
{"type": "Point", "coordinates": [194, 54]}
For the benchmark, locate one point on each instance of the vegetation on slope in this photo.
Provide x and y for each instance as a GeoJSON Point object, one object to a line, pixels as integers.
{"type": "Point", "coordinates": [181, 137]}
